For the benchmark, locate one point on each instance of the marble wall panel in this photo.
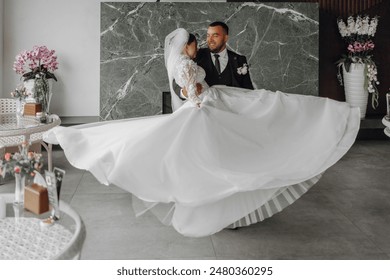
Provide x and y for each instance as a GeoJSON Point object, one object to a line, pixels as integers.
{"type": "Point", "coordinates": [280, 41]}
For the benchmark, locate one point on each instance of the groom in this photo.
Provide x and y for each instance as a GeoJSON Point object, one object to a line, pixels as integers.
{"type": "Point", "coordinates": [222, 66]}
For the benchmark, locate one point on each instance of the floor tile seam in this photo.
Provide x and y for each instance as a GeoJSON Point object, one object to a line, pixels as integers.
{"type": "Point", "coordinates": [366, 236]}
{"type": "Point", "coordinates": [77, 187]}
{"type": "Point", "coordinates": [212, 244]}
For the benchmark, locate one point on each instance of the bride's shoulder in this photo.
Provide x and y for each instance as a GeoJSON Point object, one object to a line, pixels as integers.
{"type": "Point", "coordinates": [185, 60]}
{"type": "Point", "coordinates": [184, 57]}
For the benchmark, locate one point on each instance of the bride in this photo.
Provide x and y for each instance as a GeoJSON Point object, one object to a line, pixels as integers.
{"type": "Point", "coordinates": [226, 157]}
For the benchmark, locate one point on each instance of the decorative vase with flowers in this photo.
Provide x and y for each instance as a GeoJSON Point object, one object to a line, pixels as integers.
{"type": "Point", "coordinates": [22, 165]}
{"type": "Point", "coordinates": [359, 70]}
{"type": "Point", "coordinates": [20, 94]}
{"type": "Point", "coordinates": [36, 67]}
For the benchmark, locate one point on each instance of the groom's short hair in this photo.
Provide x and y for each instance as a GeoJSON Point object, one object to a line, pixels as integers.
{"type": "Point", "coordinates": [222, 24]}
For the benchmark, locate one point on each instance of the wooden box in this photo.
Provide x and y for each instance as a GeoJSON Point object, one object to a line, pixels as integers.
{"type": "Point", "coordinates": [36, 199]}
{"type": "Point", "coordinates": [31, 109]}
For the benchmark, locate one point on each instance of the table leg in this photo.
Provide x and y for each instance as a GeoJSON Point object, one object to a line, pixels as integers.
{"type": "Point", "coordinates": [49, 149]}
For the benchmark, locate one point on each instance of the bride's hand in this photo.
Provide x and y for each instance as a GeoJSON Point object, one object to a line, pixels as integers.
{"type": "Point", "coordinates": [197, 102]}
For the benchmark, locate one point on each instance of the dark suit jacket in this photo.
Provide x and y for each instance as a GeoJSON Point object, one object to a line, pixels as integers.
{"type": "Point", "coordinates": [203, 59]}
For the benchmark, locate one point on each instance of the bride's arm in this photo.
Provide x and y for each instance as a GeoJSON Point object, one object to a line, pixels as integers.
{"type": "Point", "coordinates": [199, 89]}
{"type": "Point", "coordinates": [188, 74]}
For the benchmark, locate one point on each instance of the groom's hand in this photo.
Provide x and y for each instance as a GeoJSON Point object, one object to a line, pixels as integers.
{"type": "Point", "coordinates": [198, 89]}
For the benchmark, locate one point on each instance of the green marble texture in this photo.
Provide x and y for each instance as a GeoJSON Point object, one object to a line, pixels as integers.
{"type": "Point", "coordinates": [280, 41]}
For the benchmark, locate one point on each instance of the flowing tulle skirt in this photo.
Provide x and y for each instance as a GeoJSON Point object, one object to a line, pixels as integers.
{"type": "Point", "coordinates": [240, 158]}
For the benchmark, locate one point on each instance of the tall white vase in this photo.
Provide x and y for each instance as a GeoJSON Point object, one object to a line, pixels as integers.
{"type": "Point", "coordinates": [356, 94]}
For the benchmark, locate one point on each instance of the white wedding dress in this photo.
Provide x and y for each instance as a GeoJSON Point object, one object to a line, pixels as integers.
{"type": "Point", "coordinates": [241, 157]}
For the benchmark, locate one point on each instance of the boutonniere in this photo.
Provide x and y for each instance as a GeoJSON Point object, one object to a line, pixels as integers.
{"type": "Point", "coordinates": [242, 70]}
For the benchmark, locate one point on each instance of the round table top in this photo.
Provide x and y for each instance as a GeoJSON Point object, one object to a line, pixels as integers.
{"type": "Point", "coordinates": [12, 121]}
{"type": "Point", "coordinates": [11, 124]}
{"type": "Point", "coordinates": [23, 237]}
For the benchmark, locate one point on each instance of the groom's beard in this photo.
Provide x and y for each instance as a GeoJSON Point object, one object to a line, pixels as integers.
{"type": "Point", "coordinates": [216, 49]}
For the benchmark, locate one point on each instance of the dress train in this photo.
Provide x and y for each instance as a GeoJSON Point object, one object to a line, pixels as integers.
{"type": "Point", "coordinates": [242, 157]}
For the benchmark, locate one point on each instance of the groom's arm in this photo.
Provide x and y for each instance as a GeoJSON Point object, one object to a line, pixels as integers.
{"type": "Point", "coordinates": [178, 91]}
{"type": "Point", "coordinates": [246, 79]}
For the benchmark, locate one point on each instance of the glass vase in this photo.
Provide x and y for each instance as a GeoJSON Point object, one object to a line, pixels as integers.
{"type": "Point", "coordinates": [45, 104]}
{"type": "Point", "coordinates": [43, 94]}
{"type": "Point", "coordinates": [20, 182]}
{"type": "Point", "coordinates": [19, 107]}
{"type": "Point", "coordinates": [39, 90]}
{"type": "Point", "coordinates": [29, 85]}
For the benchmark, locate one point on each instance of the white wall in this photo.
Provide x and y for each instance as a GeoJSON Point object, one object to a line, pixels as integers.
{"type": "Point", "coordinates": [72, 28]}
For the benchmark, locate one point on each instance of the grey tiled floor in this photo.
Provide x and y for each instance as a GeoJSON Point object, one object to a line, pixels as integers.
{"type": "Point", "coordinates": [344, 216]}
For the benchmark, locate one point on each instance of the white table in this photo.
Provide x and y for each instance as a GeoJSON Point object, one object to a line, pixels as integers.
{"type": "Point", "coordinates": [22, 236]}
{"type": "Point", "coordinates": [386, 122]}
{"type": "Point", "coordinates": [14, 130]}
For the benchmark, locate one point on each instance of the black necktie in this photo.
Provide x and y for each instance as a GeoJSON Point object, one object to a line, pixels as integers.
{"type": "Point", "coordinates": [217, 64]}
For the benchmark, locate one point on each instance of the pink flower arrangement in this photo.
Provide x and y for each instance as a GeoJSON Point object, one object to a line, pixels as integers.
{"type": "Point", "coordinates": [358, 33]}
{"type": "Point", "coordinates": [20, 93]}
{"type": "Point", "coordinates": [23, 163]}
{"type": "Point", "coordinates": [357, 47]}
{"type": "Point", "coordinates": [39, 61]}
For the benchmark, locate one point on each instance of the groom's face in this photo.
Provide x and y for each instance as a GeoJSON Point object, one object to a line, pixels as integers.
{"type": "Point", "coordinates": [216, 38]}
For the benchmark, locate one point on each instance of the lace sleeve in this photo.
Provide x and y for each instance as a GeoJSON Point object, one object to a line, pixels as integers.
{"type": "Point", "coordinates": [187, 71]}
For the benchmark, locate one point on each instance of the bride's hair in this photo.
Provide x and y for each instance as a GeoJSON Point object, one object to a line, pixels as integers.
{"type": "Point", "coordinates": [191, 38]}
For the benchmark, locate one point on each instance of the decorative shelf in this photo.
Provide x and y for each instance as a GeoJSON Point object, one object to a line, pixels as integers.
{"type": "Point", "coordinates": [75, 120]}
{"type": "Point", "coordinates": [372, 129]}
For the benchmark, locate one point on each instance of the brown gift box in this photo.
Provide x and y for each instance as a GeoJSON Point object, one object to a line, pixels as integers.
{"type": "Point", "coordinates": [32, 108]}
{"type": "Point", "coordinates": [36, 199]}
